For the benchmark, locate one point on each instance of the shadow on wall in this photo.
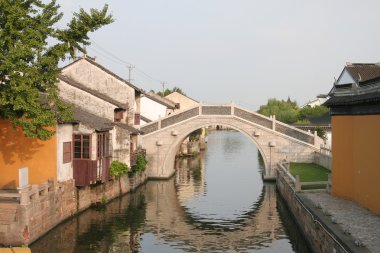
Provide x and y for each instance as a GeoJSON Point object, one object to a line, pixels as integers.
{"type": "Point", "coordinates": [14, 146]}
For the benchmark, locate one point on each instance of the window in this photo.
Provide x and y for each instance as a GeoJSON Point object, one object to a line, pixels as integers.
{"type": "Point", "coordinates": [104, 145]}
{"type": "Point", "coordinates": [67, 152]}
{"type": "Point", "coordinates": [118, 115]}
{"type": "Point", "coordinates": [137, 118]}
{"type": "Point", "coordinates": [82, 146]}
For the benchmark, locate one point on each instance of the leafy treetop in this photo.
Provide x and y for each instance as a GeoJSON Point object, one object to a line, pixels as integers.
{"type": "Point", "coordinates": [169, 91]}
{"type": "Point", "coordinates": [289, 112]}
{"type": "Point", "coordinates": [31, 47]}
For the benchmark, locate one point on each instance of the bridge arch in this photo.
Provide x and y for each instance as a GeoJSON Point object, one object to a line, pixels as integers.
{"type": "Point", "coordinates": [275, 140]}
{"type": "Point", "coordinates": [175, 147]}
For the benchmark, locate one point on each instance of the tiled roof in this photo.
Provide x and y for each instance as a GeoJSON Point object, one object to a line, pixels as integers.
{"type": "Point", "coordinates": [92, 120]}
{"type": "Point", "coordinates": [145, 119]}
{"type": "Point", "coordinates": [92, 92]}
{"type": "Point", "coordinates": [130, 129]}
{"type": "Point", "coordinates": [362, 72]}
{"type": "Point", "coordinates": [98, 123]}
{"type": "Point", "coordinates": [324, 119]}
{"type": "Point", "coordinates": [373, 97]}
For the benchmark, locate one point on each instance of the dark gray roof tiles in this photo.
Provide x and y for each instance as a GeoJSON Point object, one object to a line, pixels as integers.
{"type": "Point", "coordinates": [98, 123]}
{"type": "Point", "coordinates": [92, 92]}
{"type": "Point", "coordinates": [362, 72]}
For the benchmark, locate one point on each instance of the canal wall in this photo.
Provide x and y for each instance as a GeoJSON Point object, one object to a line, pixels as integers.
{"type": "Point", "coordinates": [323, 160]}
{"type": "Point", "coordinates": [41, 208]}
{"type": "Point", "coordinates": [322, 235]}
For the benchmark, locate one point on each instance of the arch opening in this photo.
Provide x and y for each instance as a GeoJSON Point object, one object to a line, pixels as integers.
{"type": "Point", "coordinates": [169, 161]}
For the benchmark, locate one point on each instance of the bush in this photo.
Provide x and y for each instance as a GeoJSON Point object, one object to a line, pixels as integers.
{"type": "Point", "coordinates": [194, 136]}
{"type": "Point", "coordinates": [118, 168]}
{"type": "Point", "coordinates": [141, 163]}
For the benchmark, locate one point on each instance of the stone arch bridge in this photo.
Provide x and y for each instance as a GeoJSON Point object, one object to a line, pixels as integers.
{"type": "Point", "coordinates": [275, 140]}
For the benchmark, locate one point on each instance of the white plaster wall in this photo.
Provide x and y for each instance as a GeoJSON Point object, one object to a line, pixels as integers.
{"type": "Point", "coordinates": [64, 134]}
{"type": "Point", "coordinates": [151, 109]}
{"type": "Point", "coordinates": [329, 138]}
{"type": "Point", "coordinates": [120, 145]}
{"type": "Point", "coordinates": [97, 79]}
{"type": "Point", "coordinates": [345, 78]}
{"type": "Point", "coordinates": [87, 101]}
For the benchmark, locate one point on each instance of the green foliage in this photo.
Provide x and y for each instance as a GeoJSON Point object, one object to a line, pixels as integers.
{"type": "Point", "coordinates": [312, 111]}
{"type": "Point", "coordinates": [194, 136]}
{"type": "Point", "coordinates": [141, 163]}
{"type": "Point", "coordinates": [289, 112]}
{"type": "Point", "coordinates": [29, 63]}
{"type": "Point", "coordinates": [168, 91]}
{"type": "Point", "coordinates": [118, 168]}
{"type": "Point", "coordinates": [321, 133]}
{"type": "Point", "coordinates": [285, 111]}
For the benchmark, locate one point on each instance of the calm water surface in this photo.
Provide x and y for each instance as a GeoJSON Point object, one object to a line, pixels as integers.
{"type": "Point", "coordinates": [216, 202]}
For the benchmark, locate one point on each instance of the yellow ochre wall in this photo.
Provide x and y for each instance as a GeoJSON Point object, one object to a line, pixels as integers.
{"type": "Point", "coordinates": [17, 151]}
{"type": "Point", "coordinates": [356, 159]}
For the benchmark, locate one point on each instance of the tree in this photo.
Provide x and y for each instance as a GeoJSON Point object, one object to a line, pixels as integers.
{"type": "Point", "coordinates": [285, 111]}
{"type": "Point", "coordinates": [315, 111]}
{"type": "Point", "coordinates": [31, 46]}
{"type": "Point", "coordinates": [168, 91]}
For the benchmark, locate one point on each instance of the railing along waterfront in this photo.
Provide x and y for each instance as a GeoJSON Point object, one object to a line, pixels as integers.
{"type": "Point", "coordinates": [295, 182]}
{"type": "Point", "coordinates": [27, 194]}
{"type": "Point", "coordinates": [234, 111]}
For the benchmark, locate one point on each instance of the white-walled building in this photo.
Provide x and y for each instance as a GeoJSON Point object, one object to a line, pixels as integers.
{"type": "Point", "coordinates": [154, 107]}
{"type": "Point", "coordinates": [106, 110]}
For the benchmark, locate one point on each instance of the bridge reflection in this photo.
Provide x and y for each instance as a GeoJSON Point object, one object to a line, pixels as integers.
{"type": "Point", "coordinates": [157, 210]}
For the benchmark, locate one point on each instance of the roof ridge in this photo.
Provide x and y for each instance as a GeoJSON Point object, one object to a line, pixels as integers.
{"type": "Point", "coordinates": [93, 62]}
{"type": "Point", "coordinates": [95, 93]}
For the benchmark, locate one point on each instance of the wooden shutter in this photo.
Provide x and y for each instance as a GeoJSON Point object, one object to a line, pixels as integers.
{"type": "Point", "coordinates": [67, 152]}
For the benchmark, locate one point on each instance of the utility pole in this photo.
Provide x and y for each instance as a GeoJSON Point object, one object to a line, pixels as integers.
{"type": "Point", "coordinates": [163, 88]}
{"type": "Point", "coordinates": [130, 67]}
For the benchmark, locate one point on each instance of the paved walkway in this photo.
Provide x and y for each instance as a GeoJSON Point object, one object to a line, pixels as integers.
{"type": "Point", "coordinates": [361, 223]}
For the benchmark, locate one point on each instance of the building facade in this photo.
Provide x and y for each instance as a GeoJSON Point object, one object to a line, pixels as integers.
{"type": "Point", "coordinates": [355, 109]}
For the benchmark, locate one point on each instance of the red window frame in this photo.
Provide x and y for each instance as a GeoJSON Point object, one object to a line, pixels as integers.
{"type": "Point", "coordinates": [82, 146]}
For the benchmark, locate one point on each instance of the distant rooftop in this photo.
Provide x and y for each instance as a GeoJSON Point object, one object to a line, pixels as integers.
{"type": "Point", "coordinates": [362, 72]}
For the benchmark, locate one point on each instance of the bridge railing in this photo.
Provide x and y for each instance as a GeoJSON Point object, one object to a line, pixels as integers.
{"type": "Point", "coordinates": [170, 120]}
{"type": "Point", "coordinates": [272, 123]}
{"type": "Point", "coordinates": [232, 110]}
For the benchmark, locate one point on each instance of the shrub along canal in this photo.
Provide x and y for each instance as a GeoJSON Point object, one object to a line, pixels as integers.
{"type": "Point", "coordinates": [216, 202]}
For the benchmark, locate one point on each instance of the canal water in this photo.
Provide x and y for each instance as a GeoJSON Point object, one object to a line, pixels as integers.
{"type": "Point", "coordinates": [216, 202]}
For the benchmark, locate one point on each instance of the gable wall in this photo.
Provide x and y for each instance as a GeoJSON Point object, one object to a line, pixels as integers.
{"type": "Point", "coordinates": [185, 102]}
{"type": "Point", "coordinates": [86, 101]}
{"type": "Point", "coordinates": [97, 79]}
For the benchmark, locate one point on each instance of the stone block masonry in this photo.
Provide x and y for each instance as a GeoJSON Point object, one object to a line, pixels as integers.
{"type": "Point", "coordinates": [322, 235]}
{"type": "Point", "coordinates": [21, 223]}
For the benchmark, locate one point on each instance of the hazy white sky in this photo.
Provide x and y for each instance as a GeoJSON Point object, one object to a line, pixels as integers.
{"type": "Point", "coordinates": [244, 51]}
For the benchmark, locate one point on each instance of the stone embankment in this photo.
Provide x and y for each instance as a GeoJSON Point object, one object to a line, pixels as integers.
{"type": "Point", "coordinates": [42, 208]}
{"type": "Point", "coordinates": [320, 228]}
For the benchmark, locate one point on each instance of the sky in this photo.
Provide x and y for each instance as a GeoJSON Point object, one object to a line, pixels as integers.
{"type": "Point", "coordinates": [240, 51]}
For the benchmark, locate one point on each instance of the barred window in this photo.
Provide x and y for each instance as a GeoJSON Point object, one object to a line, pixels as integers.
{"type": "Point", "coordinates": [67, 152]}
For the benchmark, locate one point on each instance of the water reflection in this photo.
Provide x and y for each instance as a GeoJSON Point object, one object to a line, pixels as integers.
{"type": "Point", "coordinates": [186, 213]}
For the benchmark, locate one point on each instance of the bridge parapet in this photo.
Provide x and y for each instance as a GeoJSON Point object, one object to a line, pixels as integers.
{"type": "Point", "coordinates": [233, 110]}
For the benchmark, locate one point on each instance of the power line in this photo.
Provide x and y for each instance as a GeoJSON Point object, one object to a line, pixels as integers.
{"type": "Point", "coordinates": [116, 58]}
